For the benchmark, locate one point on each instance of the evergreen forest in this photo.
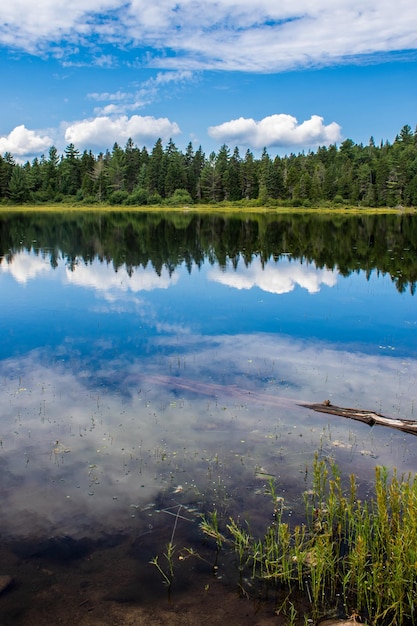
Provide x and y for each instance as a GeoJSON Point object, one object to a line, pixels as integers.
{"type": "Point", "coordinates": [383, 175]}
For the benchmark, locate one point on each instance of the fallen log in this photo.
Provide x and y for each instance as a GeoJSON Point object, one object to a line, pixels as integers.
{"type": "Point", "coordinates": [368, 417]}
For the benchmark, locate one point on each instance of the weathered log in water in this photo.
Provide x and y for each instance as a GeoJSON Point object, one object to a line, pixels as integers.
{"type": "Point", "coordinates": [368, 417]}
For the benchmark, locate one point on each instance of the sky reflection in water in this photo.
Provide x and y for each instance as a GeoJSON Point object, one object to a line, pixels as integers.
{"type": "Point", "coordinates": [117, 386]}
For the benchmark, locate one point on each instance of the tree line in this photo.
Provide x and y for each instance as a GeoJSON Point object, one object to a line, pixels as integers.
{"type": "Point", "coordinates": [356, 174]}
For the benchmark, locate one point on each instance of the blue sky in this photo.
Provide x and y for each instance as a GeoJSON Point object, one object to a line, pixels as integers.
{"type": "Point", "coordinates": [288, 75]}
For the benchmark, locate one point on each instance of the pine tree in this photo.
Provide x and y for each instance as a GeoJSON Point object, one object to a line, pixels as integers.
{"type": "Point", "coordinates": [235, 176]}
{"type": "Point", "coordinates": [132, 165]}
{"type": "Point", "coordinates": [155, 172]}
{"type": "Point", "coordinates": [18, 185]}
{"type": "Point", "coordinates": [7, 165]}
{"type": "Point", "coordinates": [250, 184]}
{"type": "Point", "coordinates": [174, 169]}
{"type": "Point", "coordinates": [70, 171]}
{"type": "Point", "coordinates": [116, 169]}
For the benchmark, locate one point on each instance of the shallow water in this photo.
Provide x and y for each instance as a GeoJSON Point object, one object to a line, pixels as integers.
{"type": "Point", "coordinates": [151, 366]}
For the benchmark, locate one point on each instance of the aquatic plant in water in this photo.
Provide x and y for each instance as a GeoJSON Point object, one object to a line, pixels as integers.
{"type": "Point", "coordinates": [167, 572]}
{"type": "Point", "coordinates": [348, 557]}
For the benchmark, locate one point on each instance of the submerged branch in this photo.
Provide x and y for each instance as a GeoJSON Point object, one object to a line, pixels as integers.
{"type": "Point", "coordinates": [243, 395]}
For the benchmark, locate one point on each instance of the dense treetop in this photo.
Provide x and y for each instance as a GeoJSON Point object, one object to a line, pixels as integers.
{"type": "Point", "coordinates": [371, 175]}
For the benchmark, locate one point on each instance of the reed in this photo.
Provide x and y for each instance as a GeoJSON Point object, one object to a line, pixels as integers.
{"type": "Point", "coordinates": [210, 527]}
{"type": "Point", "coordinates": [347, 557]}
{"type": "Point", "coordinates": [243, 546]}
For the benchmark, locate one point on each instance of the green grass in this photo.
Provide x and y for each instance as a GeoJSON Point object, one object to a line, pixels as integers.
{"type": "Point", "coordinates": [348, 558]}
{"type": "Point", "coordinates": [222, 207]}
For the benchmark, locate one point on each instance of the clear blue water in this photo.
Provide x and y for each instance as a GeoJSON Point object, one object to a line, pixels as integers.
{"type": "Point", "coordinates": [119, 388]}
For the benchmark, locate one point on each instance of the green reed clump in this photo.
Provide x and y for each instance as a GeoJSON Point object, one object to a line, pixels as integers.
{"type": "Point", "coordinates": [347, 556]}
{"type": "Point", "coordinates": [242, 541]}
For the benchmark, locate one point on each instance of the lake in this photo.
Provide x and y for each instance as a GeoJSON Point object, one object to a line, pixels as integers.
{"type": "Point", "coordinates": [152, 370]}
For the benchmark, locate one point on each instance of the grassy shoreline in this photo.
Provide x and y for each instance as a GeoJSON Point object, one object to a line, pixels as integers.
{"type": "Point", "coordinates": [202, 208]}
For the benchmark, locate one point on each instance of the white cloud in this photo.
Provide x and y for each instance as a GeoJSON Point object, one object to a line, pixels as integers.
{"type": "Point", "coordinates": [224, 34]}
{"type": "Point", "coordinates": [105, 131]}
{"type": "Point", "coordinates": [164, 78]}
{"type": "Point", "coordinates": [122, 102]}
{"type": "Point", "coordinates": [33, 27]}
{"type": "Point", "coordinates": [23, 142]}
{"type": "Point", "coordinates": [276, 130]}
{"type": "Point", "coordinates": [276, 278]}
{"type": "Point", "coordinates": [118, 96]}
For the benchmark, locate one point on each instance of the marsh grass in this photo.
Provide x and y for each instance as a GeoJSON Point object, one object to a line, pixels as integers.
{"type": "Point", "coordinates": [348, 557]}
{"type": "Point", "coordinates": [237, 208]}
{"type": "Point", "coordinates": [210, 527]}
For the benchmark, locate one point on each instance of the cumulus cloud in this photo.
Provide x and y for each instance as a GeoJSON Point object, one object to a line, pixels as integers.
{"type": "Point", "coordinates": [222, 34]}
{"type": "Point", "coordinates": [24, 142]}
{"type": "Point", "coordinates": [105, 131]}
{"type": "Point", "coordinates": [276, 130]}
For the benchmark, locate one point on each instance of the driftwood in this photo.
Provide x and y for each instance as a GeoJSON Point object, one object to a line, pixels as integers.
{"type": "Point", "coordinates": [368, 417]}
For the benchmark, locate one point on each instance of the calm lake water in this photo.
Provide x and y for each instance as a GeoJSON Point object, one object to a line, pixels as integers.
{"type": "Point", "coordinates": [152, 360]}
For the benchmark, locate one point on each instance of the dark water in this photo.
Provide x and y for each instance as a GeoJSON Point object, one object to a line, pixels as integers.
{"type": "Point", "coordinates": [152, 364]}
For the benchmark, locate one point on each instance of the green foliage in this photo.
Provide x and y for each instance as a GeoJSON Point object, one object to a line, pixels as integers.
{"type": "Point", "coordinates": [7, 165]}
{"type": "Point", "coordinates": [18, 185]}
{"type": "Point", "coordinates": [118, 197]}
{"type": "Point", "coordinates": [138, 197]}
{"type": "Point", "coordinates": [155, 198]}
{"type": "Point", "coordinates": [180, 197]}
{"type": "Point", "coordinates": [116, 170]}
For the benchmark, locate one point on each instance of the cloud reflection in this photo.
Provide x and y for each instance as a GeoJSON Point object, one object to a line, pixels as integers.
{"type": "Point", "coordinates": [278, 278]}
{"type": "Point", "coordinates": [83, 450]}
{"type": "Point", "coordinates": [25, 265]}
{"type": "Point", "coordinates": [103, 278]}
